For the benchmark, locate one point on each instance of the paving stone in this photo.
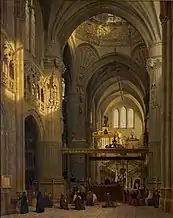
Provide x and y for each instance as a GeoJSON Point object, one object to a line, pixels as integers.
{"type": "Point", "coordinates": [122, 211]}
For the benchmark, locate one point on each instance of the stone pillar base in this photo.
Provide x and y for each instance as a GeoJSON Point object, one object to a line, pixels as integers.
{"type": "Point", "coordinates": [166, 203]}
{"type": "Point", "coordinates": [7, 207]}
{"type": "Point", "coordinates": [56, 187]}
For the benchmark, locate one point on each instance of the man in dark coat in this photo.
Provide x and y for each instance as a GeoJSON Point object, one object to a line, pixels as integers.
{"type": "Point", "coordinates": [24, 204]}
{"type": "Point", "coordinates": [40, 203]}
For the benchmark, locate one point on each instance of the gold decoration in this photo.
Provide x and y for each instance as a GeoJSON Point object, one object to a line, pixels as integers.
{"type": "Point", "coordinates": [6, 181]}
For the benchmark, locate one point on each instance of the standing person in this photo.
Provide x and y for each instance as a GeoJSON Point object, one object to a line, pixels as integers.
{"type": "Point", "coordinates": [40, 203]}
{"type": "Point", "coordinates": [24, 204]}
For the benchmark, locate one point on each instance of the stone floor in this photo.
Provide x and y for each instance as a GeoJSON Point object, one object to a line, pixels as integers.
{"type": "Point", "coordinates": [122, 211]}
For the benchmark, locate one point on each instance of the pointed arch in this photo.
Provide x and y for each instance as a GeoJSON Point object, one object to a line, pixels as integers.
{"type": "Point", "coordinates": [38, 120]}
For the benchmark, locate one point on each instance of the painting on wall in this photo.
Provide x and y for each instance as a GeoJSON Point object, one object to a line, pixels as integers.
{"type": "Point", "coordinates": [6, 181]}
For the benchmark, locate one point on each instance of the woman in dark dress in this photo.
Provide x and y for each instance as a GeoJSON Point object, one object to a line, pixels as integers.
{"type": "Point", "coordinates": [63, 202]}
{"type": "Point", "coordinates": [40, 203]}
{"type": "Point", "coordinates": [78, 202]}
{"type": "Point", "coordinates": [24, 204]}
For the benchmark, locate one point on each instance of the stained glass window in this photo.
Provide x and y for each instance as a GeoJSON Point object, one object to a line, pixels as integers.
{"type": "Point", "coordinates": [116, 118]}
{"type": "Point", "coordinates": [131, 118]}
{"type": "Point", "coordinates": [123, 118]}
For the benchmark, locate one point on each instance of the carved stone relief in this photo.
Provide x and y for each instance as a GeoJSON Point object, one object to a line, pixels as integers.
{"type": "Point", "coordinates": [54, 63]}
{"type": "Point", "coordinates": [53, 88]}
{"type": "Point", "coordinates": [140, 55]}
{"type": "Point", "coordinates": [86, 56]}
{"type": "Point", "coordinates": [34, 84]}
{"type": "Point", "coordinates": [108, 34]}
{"type": "Point", "coordinates": [8, 66]}
{"type": "Point", "coordinates": [155, 71]}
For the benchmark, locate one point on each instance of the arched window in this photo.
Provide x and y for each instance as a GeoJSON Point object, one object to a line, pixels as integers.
{"type": "Point", "coordinates": [30, 27]}
{"type": "Point", "coordinates": [116, 118]}
{"type": "Point", "coordinates": [123, 118]}
{"type": "Point", "coordinates": [131, 118]}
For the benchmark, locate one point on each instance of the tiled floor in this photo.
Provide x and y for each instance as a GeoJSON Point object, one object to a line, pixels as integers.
{"type": "Point", "coordinates": [122, 211]}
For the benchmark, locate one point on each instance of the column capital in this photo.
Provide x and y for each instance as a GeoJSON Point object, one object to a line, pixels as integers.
{"type": "Point", "coordinates": [54, 63]}
{"type": "Point", "coordinates": [154, 63]}
{"type": "Point", "coordinates": [19, 9]}
{"type": "Point", "coordinates": [164, 18]}
{"type": "Point", "coordinates": [155, 50]}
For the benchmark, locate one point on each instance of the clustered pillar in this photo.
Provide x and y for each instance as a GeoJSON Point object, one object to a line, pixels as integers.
{"type": "Point", "coordinates": [155, 72]}
{"type": "Point", "coordinates": [49, 150]}
{"type": "Point", "coordinates": [166, 18]}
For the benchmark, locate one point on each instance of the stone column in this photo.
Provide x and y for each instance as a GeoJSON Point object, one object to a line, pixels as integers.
{"type": "Point", "coordinates": [77, 133]}
{"type": "Point", "coordinates": [49, 150]}
{"type": "Point", "coordinates": [93, 162]}
{"type": "Point", "coordinates": [155, 72]}
{"type": "Point", "coordinates": [20, 149]}
{"type": "Point", "coordinates": [166, 19]}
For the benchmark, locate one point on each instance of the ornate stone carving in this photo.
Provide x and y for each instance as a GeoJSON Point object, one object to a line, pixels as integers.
{"type": "Point", "coordinates": [103, 33]}
{"type": "Point", "coordinates": [8, 66]}
{"type": "Point", "coordinates": [140, 55]}
{"type": "Point", "coordinates": [54, 63]}
{"type": "Point", "coordinates": [19, 9]}
{"type": "Point", "coordinates": [155, 62]}
{"type": "Point", "coordinates": [53, 92]}
{"type": "Point", "coordinates": [164, 18]}
{"type": "Point", "coordinates": [34, 84]}
{"type": "Point", "coordinates": [155, 71]}
{"type": "Point", "coordinates": [86, 56]}
{"type": "Point", "coordinates": [59, 65]}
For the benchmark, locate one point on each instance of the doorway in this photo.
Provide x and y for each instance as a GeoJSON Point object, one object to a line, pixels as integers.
{"type": "Point", "coordinates": [31, 141]}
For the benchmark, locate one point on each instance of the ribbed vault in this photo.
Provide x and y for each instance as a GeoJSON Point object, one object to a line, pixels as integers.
{"type": "Point", "coordinates": [115, 81]}
{"type": "Point", "coordinates": [142, 15]}
{"type": "Point", "coordinates": [114, 62]}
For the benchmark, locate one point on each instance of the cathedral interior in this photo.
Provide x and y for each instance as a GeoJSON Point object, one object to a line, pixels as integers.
{"type": "Point", "coordinates": [86, 95]}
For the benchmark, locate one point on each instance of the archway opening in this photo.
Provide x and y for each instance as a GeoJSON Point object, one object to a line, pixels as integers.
{"type": "Point", "coordinates": [31, 142]}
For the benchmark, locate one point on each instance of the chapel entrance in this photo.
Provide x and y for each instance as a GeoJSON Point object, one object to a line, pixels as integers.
{"type": "Point", "coordinates": [31, 141]}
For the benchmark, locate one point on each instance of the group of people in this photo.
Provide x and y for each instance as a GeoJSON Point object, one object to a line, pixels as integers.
{"type": "Point", "coordinates": [79, 199]}
{"type": "Point", "coordinates": [141, 197]}
{"type": "Point", "coordinates": [23, 203]}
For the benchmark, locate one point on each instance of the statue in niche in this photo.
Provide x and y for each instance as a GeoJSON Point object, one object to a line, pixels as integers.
{"type": "Point", "coordinates": [38, 91]}
{"type": "Point", "coordinates": [34, 90]}
{"type": "Point", "coordinates": [6, 60]}
{"type": "Point", "coordinates": [105, 121]}
{"type": "Point", "coordinates": [11, 69]}
{"type": "Point", "coordinates": [29, 84]}
{"type": "Point", "coordinates": [53, 88]}
{"type": "Point", "coordinates": [80, 109]}
{"type": "Point", "coordinates": [81, 98]}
